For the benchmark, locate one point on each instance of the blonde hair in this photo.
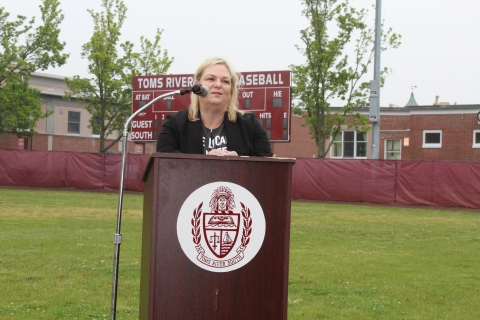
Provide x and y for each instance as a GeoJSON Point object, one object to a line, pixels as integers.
{"type": "Point", "coordinates": [232, 106]}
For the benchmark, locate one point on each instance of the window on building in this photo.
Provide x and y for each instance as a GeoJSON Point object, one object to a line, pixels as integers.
{"type": "Point", "coordinates": [361, 144]}
{"type": "Point", "coordinates": [336, 148]}
{"type": "Point", "coordinates": [349, 144]}
{"type": "Point", "coordinates": [25, 143]}
{"type": "Point", "coordinates": [432, 139]}
{"type": "Point", "coordinates": [476, 139]}
{"type": "Point", "coordinates": [393, 150]}
{"type": "Point", "coordinates": [74, 122]}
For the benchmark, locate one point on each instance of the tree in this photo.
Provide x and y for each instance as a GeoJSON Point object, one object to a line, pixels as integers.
{"type": "Point", "coordinates": [150, 60]}
{"type": "Point", "coordinates": [329, 73]}
{"type": "Point", "coordinates": [20, 106]}
{"type": "Point", "coordinates": [107, 96]}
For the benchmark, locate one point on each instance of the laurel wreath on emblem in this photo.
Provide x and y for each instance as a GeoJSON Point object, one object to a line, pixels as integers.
{"type": "Point", "coordinates": [196, 224]}
{"type": "Point", "coordinates": [247, 225]}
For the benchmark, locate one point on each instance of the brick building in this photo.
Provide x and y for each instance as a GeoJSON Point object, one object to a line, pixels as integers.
{"type": "Point", "coordinates": [435, 132]}
{"type": "Point", "coordinates": [66, 129]}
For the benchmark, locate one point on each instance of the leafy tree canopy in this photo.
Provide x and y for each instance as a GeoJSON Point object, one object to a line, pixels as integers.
{"type": "Point", "coordinates": [24, 108]}
{"type": "Point", "coordinates": [333, 70]}
{"type": "Point", "coordinates": [25, 49]}
{"type": "Point", "coordinates": [107, 94]}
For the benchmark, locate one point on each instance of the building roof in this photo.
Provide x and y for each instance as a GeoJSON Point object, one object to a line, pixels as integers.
{"type": "Point", "coordinates": [48, 84]}
{"type": "Point", "coordinates": [429, 109]}
{"type": "Point", "coordinates": [411, 102]}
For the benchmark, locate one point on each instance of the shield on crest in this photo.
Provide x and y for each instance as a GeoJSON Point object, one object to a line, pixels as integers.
{"type": "Point", "coordinates": [220, 227]}
{"type": "Point", "coordinates": [220, 232]}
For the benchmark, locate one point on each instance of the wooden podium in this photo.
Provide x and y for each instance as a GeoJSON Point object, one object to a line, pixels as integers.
{"type": "Point", "coordinates": [172, 286]}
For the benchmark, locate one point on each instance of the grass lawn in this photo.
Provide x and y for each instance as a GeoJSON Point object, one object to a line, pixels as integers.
{"type": "Point", "coordinates": [347, 261]}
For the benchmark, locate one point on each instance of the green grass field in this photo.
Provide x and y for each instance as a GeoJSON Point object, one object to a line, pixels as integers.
{"type": "Point", "coordinates": [347, 261]}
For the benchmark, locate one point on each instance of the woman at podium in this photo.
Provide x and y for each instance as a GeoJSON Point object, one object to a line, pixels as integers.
{"type": "Point", "coordinates": [213, 124]}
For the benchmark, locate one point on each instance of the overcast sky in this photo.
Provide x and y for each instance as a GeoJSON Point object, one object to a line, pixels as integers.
{"type": "Point", "coordinates": [439, 52]}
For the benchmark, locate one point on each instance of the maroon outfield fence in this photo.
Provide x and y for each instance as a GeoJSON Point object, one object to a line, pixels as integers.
{"type": "Point", "coordinates": [91, 171]}
{"type": "Point", "coordinates": [431, 183]}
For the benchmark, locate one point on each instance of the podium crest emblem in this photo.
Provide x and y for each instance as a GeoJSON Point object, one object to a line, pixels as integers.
{"type": "Point", "coordinates": [220, 234]}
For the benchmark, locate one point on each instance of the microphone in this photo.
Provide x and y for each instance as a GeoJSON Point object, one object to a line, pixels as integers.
{"type": "Point", "coordinates": [200, 90]}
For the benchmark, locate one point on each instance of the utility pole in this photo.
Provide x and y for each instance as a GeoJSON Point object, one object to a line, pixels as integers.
{"type": "Point", "coordinates": [374, 114]}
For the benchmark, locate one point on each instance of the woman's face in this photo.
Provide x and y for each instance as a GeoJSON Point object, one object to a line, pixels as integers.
{"type": "Point", "coordinates": [217, 79]}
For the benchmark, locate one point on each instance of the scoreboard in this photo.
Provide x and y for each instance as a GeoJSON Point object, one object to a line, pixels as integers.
{"type": "Point", "coordinates": [267, 94]}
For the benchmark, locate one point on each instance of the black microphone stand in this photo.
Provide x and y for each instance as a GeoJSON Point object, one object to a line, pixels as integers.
{"type": "Point", "coordinates": [118, 237]}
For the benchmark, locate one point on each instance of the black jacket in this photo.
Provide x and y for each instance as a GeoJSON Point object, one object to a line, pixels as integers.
{"type": "Point", "coordinates": [246, 136]}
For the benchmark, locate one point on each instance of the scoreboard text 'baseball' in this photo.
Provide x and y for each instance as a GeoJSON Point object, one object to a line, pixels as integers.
{"type": "Point", "coordinates": [267, 94]}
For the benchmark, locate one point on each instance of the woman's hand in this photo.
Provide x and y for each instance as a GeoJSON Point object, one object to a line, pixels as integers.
{"type": "Point", "coordinates": [220, 152]}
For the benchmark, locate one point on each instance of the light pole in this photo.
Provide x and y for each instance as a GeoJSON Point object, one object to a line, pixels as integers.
{"type": "Point", "coordinates": [374, 113]}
